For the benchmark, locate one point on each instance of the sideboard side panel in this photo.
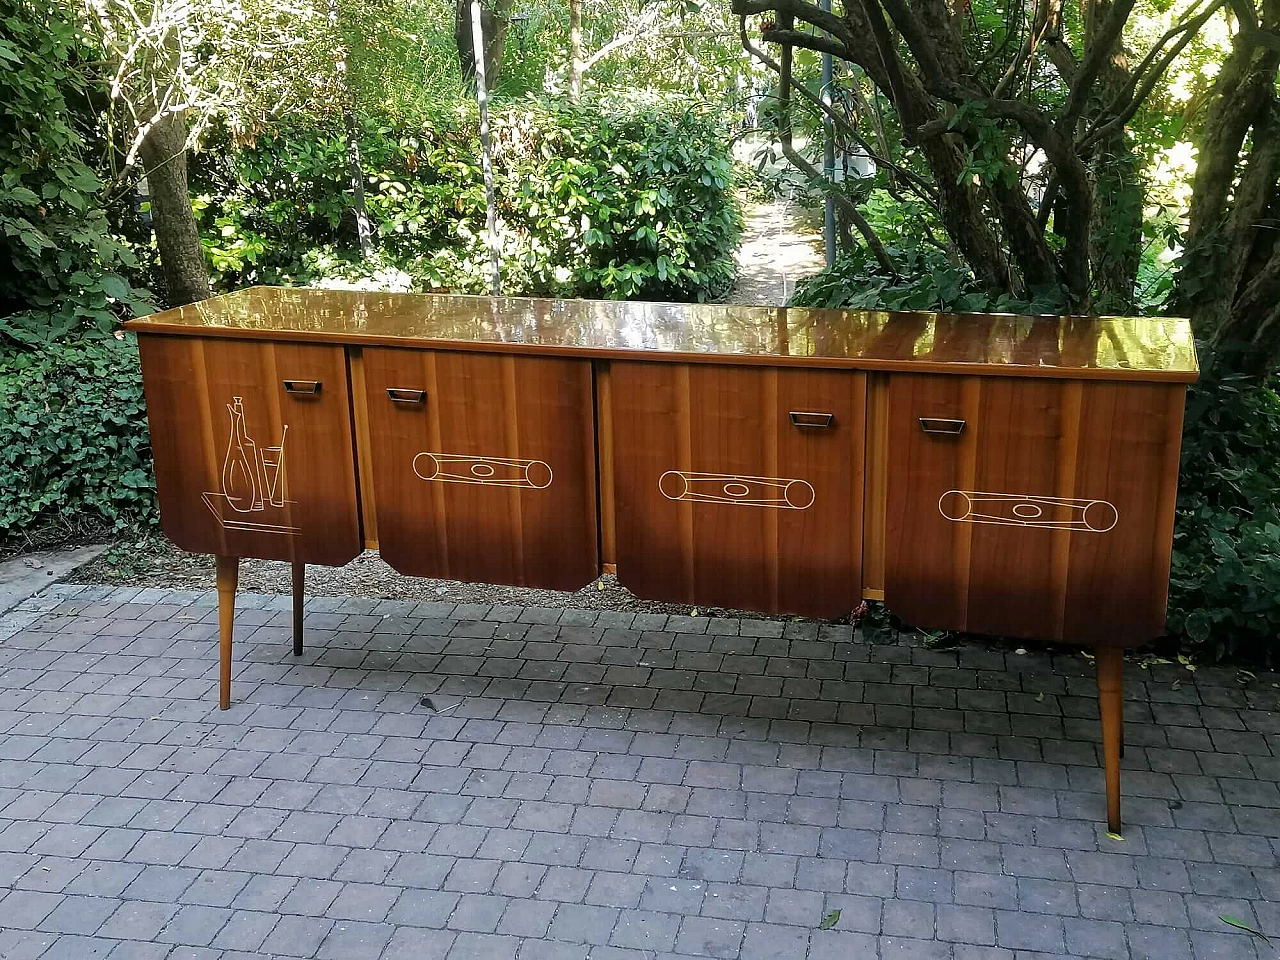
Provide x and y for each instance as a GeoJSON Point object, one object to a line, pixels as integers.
{"type": "Point", "coordinates": [270, 476]}
{"type": "Point", "coordinates": [1131, 437]}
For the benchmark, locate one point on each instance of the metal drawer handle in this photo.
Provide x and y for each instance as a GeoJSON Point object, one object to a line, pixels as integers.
{"type": "Point", "coordinates": [941, 425]}
{"type": "Point", "coordinates": [306, 388]}
{"type": "Point", "coordinates": [405, 395]}
{"type": "Point", "coordinates": [807, 418]}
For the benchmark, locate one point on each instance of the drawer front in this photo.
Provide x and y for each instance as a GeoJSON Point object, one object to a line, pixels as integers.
{"type": "Point", "coordinates": [1031, 508]}
{"type": "Point", "coordinates": [739, 486]}
{"type": "Point", "coordinates": [253, 449]}
{"type": "Point", "coordinates": [483, 466]}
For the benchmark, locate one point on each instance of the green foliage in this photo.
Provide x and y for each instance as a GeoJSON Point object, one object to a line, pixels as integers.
{"type": "Point", "coordinates": [1224, 596]}
{"type": "Point", "coordinates": [64, 270]}
{"type": "Point", "coordinates": [73, 436]}
{"type": "Point", "coordinates": [599, 200]}
{"type": "Point", "coordinates": [928, 281]}
{"type": "Point", "coordinates": [929, 277]}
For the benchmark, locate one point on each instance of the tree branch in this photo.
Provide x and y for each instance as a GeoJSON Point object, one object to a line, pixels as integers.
{"type": "Point", "coordinates": [824, 20]}
{"type": "Point", "coordinates": [809, 41]}
{"type": "Point", "coordinates": [638, 30]}
{"type": "Point", "coordinates": [918, 40]}
{"type": "Point", "coordinates": [849, 209]}
{"type": "Point", "coordinates": [1103, 46]}
{"type": "Point", "coordinates": [892, 67]}
{"type": "Point", "coordinates": [1145, 77]}
{"type": "Point", "coordinates": [920, 186]}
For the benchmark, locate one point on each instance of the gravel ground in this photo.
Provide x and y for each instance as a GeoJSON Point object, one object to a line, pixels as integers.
{"type": "Point", "coordinates": [781, 243]}
{"type": "Point", "coordinates": [157, 563]}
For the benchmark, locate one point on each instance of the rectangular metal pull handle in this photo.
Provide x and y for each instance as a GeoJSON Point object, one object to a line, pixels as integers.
{"type": "Point", "coordinates": [951, 428]}
{"type": "Point", "coordinates": [808, 418]}
{"type": "Point", "coordinates": [306, 388]}
{"type": "Point", "coordinates": [406, 395]}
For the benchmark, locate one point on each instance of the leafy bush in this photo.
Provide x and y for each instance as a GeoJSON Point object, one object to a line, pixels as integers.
{"type": "Point", "coordinates": [1224, 596]}
{"type": "Point", "coordinates": [927, 281]}
{"type": "Point", "coordinates": [597, 200]}
{"type": "Point", "coordinates": [73, 436]}
{"type": "Point", "coordinates": [63, 269]}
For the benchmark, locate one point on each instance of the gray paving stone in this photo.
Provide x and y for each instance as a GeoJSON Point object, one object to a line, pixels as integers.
{"type": "Point", "coordinates": [480, 946]}
{"type": "Point", "coordinates": [613, 787]}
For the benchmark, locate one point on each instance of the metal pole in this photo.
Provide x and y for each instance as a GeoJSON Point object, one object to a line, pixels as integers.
{"type": "Point", "coordinates": [828, 156]}
{"type": "Point", "coordinates": [486, 152]}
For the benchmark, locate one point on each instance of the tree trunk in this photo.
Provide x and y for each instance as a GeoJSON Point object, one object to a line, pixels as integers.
{"type": "Point", "coordinates": [494, 19]}
{"type": "Point", "coordinates": [576, 65]}
{"type": "Point", "coordinates": [355, 169]}
{"type": "Point", "coordinates": [1229, 278]}
{"type": "Point", "coordinates": [164, 157]}
{"type": "Point", "coordinates": [1115, 235]}
{"type": "Point", "coordinates": [1115, 231]}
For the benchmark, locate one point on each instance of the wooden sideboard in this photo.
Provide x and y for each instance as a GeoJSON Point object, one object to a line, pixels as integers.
{"type": "Point", "coordinates": [987, 473]}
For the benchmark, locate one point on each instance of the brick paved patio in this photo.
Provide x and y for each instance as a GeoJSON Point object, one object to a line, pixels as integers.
{"type": "Point", "coordinates": [606, 786]}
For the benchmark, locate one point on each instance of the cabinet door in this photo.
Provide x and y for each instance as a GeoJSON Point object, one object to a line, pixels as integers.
{"type": "Point", "coordinates": [484, 466]}
{"type": "Point", "coordinates": [739, 486]}
{"type": "Point", "coordinates": [253, 449]}
{"type": "Point", "coordinates": [1031, 507]}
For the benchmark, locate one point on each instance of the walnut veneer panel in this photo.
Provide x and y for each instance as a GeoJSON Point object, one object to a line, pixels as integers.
{"type": "Point", "coordinates": [722, 500]}
{"type": "Point", "coordinates": [1108, 348]}
{"type": "Point", "coordinates": [484, 466]}
{"type": "Point", "coordinates": [1049, 515]}
{"type": "Point", "coordinates": [243, 466]}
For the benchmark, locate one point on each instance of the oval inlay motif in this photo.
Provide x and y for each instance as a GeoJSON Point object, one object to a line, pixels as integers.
{"type": "Point", "coordinates": [736, 489]}
{"type": "Point", "coordinates": [482, 469]}
{"type": "Point", "coordinates": [1028, 511]}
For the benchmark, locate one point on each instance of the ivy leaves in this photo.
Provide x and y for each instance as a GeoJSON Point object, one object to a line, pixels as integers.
{"type": "Point", "coordinates": [73, 440]}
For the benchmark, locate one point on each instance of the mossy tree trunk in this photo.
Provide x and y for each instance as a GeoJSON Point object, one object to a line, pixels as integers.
{"type": "Point", "coordinates": [1229, 282]}
{"type": "Point", "coordinates": [164, 158]}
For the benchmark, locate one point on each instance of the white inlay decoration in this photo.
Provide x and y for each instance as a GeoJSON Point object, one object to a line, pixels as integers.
{"type": "Point", "coordinates": [494, 471]}
{"type": "Point", "coordinates": [780, 493]}
{"type": "Point", "coordinates": [253, 496]}
{"type": "Point", "coordinates": [1024, 510]}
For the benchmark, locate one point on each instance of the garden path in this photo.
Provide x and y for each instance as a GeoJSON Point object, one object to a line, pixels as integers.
{"type": "Point", "coordinates": [781, 242]}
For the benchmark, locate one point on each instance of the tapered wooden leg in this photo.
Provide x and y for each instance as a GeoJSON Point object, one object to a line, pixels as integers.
{"type": "Point", "coordinates": [299, 583]}
{"type": "Point", "coordinates": [1110, 662]}
{"type": "Point", "coordinates": [228, 577]}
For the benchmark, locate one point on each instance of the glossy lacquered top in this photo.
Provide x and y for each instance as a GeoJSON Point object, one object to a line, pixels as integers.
{"type": "Point", "coordinates": [1108, 348]}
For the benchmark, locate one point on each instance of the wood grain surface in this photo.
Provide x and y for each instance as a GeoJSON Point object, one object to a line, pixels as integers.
{"type": "Point", "coordinates": [492, 477]}
{"type": "Point", "coordinates": [1102, 348]}
{"type": "Point", "coordinates": [247, 499]}
{"type": "Point", "coordinates": [1048, 516]}
{"type": "Point", "coordinates": [722, 500]}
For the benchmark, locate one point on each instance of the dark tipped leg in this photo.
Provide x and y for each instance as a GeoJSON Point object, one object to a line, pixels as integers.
{"type": "Point", "coordinates": [1110, 706]}
{"type": "Point", "coordinates": [299, 582]}
{"type": "Point", "coordinates": [228, 575]}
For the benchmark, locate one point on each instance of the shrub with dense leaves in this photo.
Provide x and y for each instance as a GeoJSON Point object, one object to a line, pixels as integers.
{"type": "Point", "coordinates": [63, 271]}
{"type": "Point", "coordinates": [927, 280]}
{"type": "Point", "coordinates": [73, 436]}
{"type": "Point", "coordinates": [1224, 596]}
{"type": "Point", "coordinates": [595, 200]}
{"type": "Point", "coordinates": [73, 433]}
